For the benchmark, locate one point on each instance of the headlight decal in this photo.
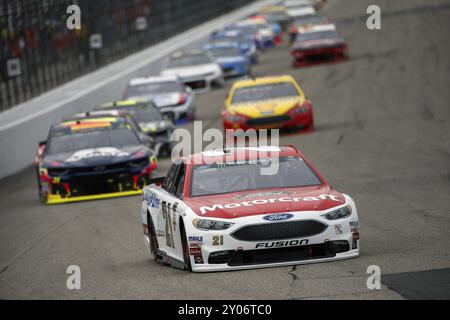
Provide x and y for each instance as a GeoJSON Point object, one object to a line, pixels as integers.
{"type": "Point", "coordinates": [207, 225]}
{"type": "Point", "coordinates": [340, 213]}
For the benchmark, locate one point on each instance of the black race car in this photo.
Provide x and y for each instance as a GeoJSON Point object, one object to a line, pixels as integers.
{"type": "Point", "coordinates": [151, 121]}
{"type": "Point", "coordinates": [92, 159]}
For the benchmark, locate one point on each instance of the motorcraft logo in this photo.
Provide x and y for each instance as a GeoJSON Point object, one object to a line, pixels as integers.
{"type": "Point", "coordinates": [96, 152]}
{"type": "Point", "coordinates": [278, 217]}
{"type": "Point", "coordinates": [214, 207]}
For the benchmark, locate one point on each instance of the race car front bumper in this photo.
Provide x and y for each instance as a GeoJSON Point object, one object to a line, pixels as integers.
{"type": "Point", "coordinates": [318, 55]}
{"type": "Point", "coordinates": [87, 186]}
{"type": "Point", "coordinates": [301, 120]}
{"type": "Point", "coordinates": [233, 249]}
{"type": "Point", "coordinates": [176, 112]}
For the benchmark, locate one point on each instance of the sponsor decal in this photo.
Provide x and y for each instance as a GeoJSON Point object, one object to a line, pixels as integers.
{"type": "Point", "coordinates": [195, 251]}
{"type": "Point", "coordinates": [159, 233]}
{"type": "Point", "coordinates": [195, 244]}
{"type": "Point", "coordinates": [354, 226]}
{"type": "Point", "coordinates": [151, 199]}
{"type": "Point", "coordinates": [96, 152]}
{"type": "Point", "coordinates": [214, 207]}
{"type": "Point", "coordinates": [198, 259]}
{"type": "Point", "coordinates": [284, 243]}
{"type": "Point", "coordinates": [195, 238]}
{"type": "Point", "coordinates": [263, 194]}
{"type": "Point", "coordinates": [338, 229]}
{"type": "Point", "coordinates": [278, 216]}
{"type": "Point", "coordinates": [354, 223]}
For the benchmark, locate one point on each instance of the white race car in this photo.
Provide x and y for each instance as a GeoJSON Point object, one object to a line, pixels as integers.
{"type": "Point", "coordinates": [197, 69]}
{"type": "Point", "coordinates": [226, 210]}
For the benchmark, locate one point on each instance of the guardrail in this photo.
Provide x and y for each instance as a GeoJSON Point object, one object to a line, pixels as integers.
{"type": "Point", "coordinates": [39, 52]}
{"type": "Point", "coordinates": [22, 127]}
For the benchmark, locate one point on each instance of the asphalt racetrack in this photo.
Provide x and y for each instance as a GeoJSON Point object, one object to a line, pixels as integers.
{"type": "Point", "coordinates": [382, 136]}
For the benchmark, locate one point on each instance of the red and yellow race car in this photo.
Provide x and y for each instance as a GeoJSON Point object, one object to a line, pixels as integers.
{"type": "Point", "coordinates": [267, 103]}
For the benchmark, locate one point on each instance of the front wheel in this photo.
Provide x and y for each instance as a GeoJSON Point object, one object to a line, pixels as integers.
{"type": "Point", "coordinates": [153, 241]}
{"type": "Point", "coordinates": [186, 257]}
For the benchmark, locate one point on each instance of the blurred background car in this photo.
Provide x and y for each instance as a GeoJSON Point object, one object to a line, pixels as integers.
{"type": "Point", "coordinates": [168, 93]}
{"type": "Point", "coordinates": [151, 121]}
{"type": "Point", "coordinates": [305, 22]}
{"type": "Point", "coordinates": [245, 41]}
{"type": "Point", "coordinates": [316, 44]}
{"type": "Point", "coordinates": [230, 58]}
{"type": "Point", "coordinates": [196, 69]}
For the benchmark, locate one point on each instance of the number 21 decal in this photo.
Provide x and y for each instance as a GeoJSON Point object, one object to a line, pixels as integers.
{"type": "Point", "coordinates": [167, 213]}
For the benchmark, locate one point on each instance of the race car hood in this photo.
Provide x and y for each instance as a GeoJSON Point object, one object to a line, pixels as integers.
{"type": "Point", "coordinates": [95, 156]}
{"type": "Point", "coordinates": [249, 203]}
{"type": "Point", "coordinates": [266, 108]}
{"type": "Point", "coordinates": [318, 43]}
{"type": "Point", "coordinates": [155, 126]}
{"type": "Point", "coordinates": [225, 61]}
{"type": "Point", "coordinates": [193, 71]}
{"type": "Point", "coordinates": [162, 99]}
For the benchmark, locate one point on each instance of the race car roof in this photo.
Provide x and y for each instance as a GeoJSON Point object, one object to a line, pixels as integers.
{"type": "Point", "coordinates": [90, 123]}
{"type": "Point", "coordinates": [262, 80]}
{"type": "Point", "coordinates": [153, 79]}
{"type": "Point", "coordinates": [241, 154]}
{"type": "Point", "coordinates": [317, 28]}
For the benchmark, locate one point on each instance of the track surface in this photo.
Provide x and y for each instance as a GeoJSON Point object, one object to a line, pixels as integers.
{"type": "Point", "coordinates": [382, 136]}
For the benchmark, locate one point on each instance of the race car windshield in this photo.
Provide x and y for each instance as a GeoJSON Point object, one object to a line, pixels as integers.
{"type": "Point", "coordinates": [225, 52]}
{"type": "Point", "coordinates": [154, 88]}
{"type": "Point", "coordinates": [313, 19]}
{"type": "Point", "coordinates": [189, 60]}
{"type": "Point", "coordinates": [143, 115]}
{"type": "Point", "coordinates": [246, 175]}
{"type": "Point", "coordinates": [265, 92]}
{"type": "Point", "coordinates": [92, 139]}
{"type": "Point", "coordinates": [332, 34]}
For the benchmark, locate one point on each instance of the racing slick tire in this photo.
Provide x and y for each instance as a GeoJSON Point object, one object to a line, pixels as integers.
{"type": "Point", "coordinates": [42, 196]}
{"type": "Point", "coordinates": [186, 258]}
{"type": "Point", "coordinates": [153, 241]}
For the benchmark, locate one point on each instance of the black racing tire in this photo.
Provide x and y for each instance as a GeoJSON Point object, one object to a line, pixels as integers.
{"type": "Point", "coordinates": [153, 240]}
{"type": "Point", "coordinates": [186, 257]}
{"type": "Point", "coordinates": [41, 196]}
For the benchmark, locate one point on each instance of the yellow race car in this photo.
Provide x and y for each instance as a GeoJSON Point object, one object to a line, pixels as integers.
{"type": "Point", "coordinates": [267, 103]}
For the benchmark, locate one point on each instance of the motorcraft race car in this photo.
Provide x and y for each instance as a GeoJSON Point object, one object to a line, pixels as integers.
{"type": "Point", "coordinates": [92, 159]}
{"type": "Point", "coordinates": [267, 103]}
{"type": "Point", "coordinates": [152, 122]}
{"type": "Point", "coordinates": [168, 93]}
{"type": "Point", "coordinates": [316, 44]}
{"type": "Point", "coordinates": [230, 58]}
{"type": "Point", "coordinates": [196, 69]}
{"type": "Point", "coordinates": [217, 211]}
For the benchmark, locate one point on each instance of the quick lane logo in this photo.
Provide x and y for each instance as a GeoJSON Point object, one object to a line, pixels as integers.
{"type": "Point", "coordinates": [278, 217]}
{"type": "Point", "coordinates": [204, 209]}
{"type": "Point", "coordinates": [285, 243]}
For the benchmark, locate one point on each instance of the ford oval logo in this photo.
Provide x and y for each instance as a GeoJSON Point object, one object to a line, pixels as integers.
{"type": "Point", "coordinates": [278, 216]}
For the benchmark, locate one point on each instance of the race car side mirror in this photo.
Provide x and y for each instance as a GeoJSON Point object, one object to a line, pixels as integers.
{"type": "Point", "coordinates": [157, 181]}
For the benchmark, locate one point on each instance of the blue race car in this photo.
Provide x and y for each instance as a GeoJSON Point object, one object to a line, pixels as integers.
{"type": "Point", "coordinates": [245, 41]}
{"type": "Point", "coordinates": [230, 58]}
